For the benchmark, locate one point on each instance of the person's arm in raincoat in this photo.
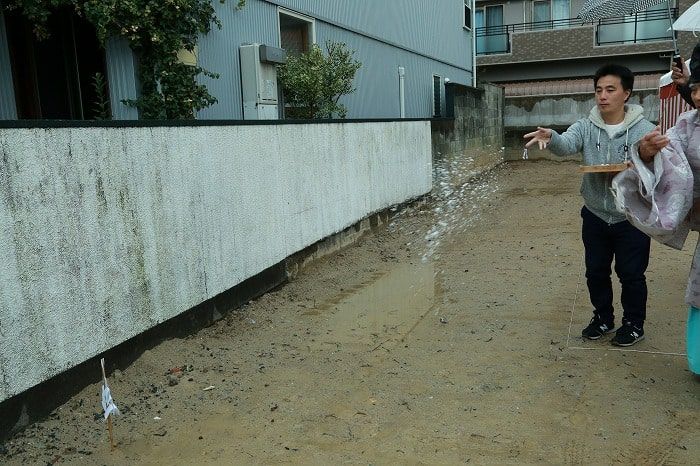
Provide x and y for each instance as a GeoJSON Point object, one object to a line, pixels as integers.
{"type": "Point", "coordinates": [656, 194]}
{"type": "Point", "coordinates": [651, 144]}
{"type": "Point", "coordinates": [683, 135]}
{"type": "Point", "coordinates": [680, 77]}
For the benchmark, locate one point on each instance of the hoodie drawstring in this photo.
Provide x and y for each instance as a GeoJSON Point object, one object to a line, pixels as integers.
{"type": "Point", "coordinates": [626, 146]}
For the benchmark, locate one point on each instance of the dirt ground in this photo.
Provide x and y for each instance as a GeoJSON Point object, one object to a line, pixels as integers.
{"type": "Point", "coordinates": [449, 337]}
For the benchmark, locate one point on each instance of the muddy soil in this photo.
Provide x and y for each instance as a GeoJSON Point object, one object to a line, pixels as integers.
{"type": "Point", "coordinates": [449, 337]}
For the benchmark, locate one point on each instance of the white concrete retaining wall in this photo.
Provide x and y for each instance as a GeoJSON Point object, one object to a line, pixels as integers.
{"type": "Point", "coordinates": [106, 232]}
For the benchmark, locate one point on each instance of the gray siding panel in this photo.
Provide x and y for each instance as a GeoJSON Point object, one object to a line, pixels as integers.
{"type": "Point", "coordinates": [8, 108]}
{"type": "Point", "coordinates": [121, 75]}
{"type": "Point", "coordinates": [218, 52]}
{"type": "Point", "coordinates": [434, 28]}
{"type": "Point", "coordinates": [377, 82]}
{"type": "Point", "coordinates": [425, 38]}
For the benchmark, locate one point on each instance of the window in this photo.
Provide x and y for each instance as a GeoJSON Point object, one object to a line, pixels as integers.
{"type": "Point", "coordinates": [467, 14]}
{"type": "Point", "coordinates": [550, 10]}
{"type": "Point", "coordinates": [296, 32]}
{"type": "Point", "coordinates": [561, 9]}
{"type": "Point", "coordinates": [541, 15]}
{"type": "Point", "coordinates": [491, 36]}
{"type": "Point", "coordinates": [541, 11]}
{"type": "Point", "coordinates": [437, 93]}
{"type": "Point", "coordinates": [54, 78]}
{"type": "Point", "coordinates": [649, 25]}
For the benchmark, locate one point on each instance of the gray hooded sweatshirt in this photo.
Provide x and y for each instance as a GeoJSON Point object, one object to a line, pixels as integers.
{"type": "Point", "coordinates": [589, 136]}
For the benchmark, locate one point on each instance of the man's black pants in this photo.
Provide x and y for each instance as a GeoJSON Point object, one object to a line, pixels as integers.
{"type": "Point", "coordinates": [630, 248]}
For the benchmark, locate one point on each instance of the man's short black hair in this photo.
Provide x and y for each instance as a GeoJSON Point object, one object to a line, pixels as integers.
{"type": "Point", "coordinates": [622, 72]}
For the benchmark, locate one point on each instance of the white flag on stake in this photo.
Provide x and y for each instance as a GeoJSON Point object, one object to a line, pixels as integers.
{"type": "Point", "coordinates": [108, 404]}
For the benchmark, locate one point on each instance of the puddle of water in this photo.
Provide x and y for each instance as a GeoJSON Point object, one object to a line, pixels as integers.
{"type": "Point", "coordinates": [385, 308]}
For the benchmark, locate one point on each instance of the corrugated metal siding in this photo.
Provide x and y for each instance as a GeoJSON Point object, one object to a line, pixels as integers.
{"type": "Point", "coordinates": [218, 52]}
{"type": "Point", "coordinates": [422, 27]}
{"type": "Point", "coordinates": [8, 108]}
{"type": "Point", "coordinates": [377, 82]}
{"type": "Point", "coordinates": [121, 77]}
{"type": "Point", "coordinates": [434, 28]}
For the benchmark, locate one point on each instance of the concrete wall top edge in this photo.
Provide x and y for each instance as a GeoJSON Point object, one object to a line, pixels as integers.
{"type": "Point", "coordinates": [5, 124]}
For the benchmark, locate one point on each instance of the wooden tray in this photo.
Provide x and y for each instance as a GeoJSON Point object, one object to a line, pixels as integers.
{"type": "Point", "coordinates": [605, 168]}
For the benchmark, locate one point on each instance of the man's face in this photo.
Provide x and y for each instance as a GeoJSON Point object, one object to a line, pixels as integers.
{"type": "Point", "coordinates": [609, 95]}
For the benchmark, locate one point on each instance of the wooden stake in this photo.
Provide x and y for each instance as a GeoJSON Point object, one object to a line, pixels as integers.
{"type": "Point", "coordinates": [112, 446]}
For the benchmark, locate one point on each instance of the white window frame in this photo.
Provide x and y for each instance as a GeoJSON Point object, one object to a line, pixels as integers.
{"type": "Point", "coordinates": [309, 19]}
{"type": "Point", "coordinates": [468, 4]}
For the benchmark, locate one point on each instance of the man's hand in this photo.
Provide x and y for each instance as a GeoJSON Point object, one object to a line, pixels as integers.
{"type": "Point", "coordinates": [680, 76]}
{"type": "Point", "coordinates": [651, 144]}
{"type": "Point", "coordinates": [542, 137]}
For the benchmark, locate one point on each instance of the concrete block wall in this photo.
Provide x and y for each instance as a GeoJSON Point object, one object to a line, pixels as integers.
{"type": "Point", "coordinates": [474, 139]}
{"type": "Point", "coordinates": [110, 231]}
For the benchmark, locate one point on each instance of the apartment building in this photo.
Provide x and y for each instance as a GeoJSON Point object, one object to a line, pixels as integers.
{"type": "Point", "coordinates": [535, 40]}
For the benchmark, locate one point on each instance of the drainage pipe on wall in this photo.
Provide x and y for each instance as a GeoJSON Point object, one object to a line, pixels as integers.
{"type": "Point", "coordinates": [473, 43]}
{"type": "Point", "coordinates": [402, 92]}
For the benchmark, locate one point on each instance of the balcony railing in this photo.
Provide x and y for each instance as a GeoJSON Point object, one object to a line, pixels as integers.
{"type": "Point", "coordinates": [642, 27]}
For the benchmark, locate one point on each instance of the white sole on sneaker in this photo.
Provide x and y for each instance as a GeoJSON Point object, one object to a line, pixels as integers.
{"type": "Point", "coordinates": [617, 343]}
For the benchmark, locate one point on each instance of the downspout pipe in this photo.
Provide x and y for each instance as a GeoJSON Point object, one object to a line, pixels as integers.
{"type": "Point", "coordinates": [473, 43]}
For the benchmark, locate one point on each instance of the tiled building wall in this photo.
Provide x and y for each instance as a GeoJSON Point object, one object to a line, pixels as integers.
{"type": "Point", "coordinates": [565, 44]}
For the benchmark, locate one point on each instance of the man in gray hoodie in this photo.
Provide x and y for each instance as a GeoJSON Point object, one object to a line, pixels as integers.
{"type": "Point", "coordinates": [605, 137]}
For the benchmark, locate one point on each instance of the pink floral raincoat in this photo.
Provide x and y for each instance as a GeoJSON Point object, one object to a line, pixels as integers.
{"type": "Point", "coordinates": [658, 197]}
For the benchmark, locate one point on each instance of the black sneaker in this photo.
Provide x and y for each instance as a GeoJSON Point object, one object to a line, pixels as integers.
{"type": "Point", "coordinates": [597, 328]}
{"type": "Point", "coordinates": [628, 335]}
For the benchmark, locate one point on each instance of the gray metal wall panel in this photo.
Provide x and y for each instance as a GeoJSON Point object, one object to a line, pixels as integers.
{"type": "Point", "coordinates": [434, 28]}
{"type": "Point", "coordinates": [121, 77]}
{"type": "Point", "coordinates": [218, 52]}
{"type": "Point", "coordinates": [377, 82]}
{"type": "Point", "coordinates": [417, 27]}
{"type": "Point", "coordinates": [8, 108]}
